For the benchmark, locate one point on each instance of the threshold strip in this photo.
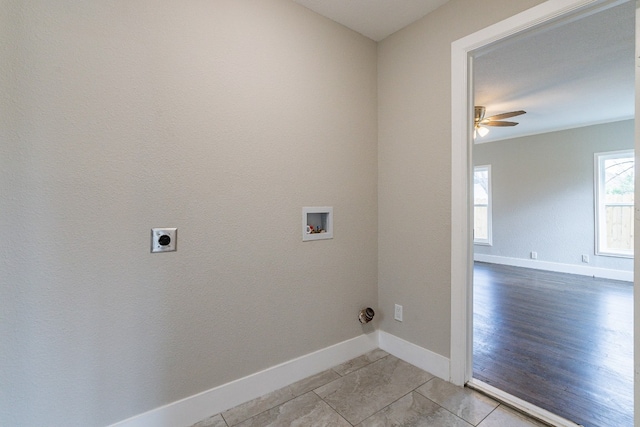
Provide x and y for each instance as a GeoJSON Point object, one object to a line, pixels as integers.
{"type": "Point", "coordinates": [520, 405]}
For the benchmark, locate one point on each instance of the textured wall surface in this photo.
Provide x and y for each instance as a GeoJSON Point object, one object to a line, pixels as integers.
{"type": "Point", "coordinates": [221, 118]}
{"type": "Point", "coordinates": [543, 197]}
{"type": "Point", "coordinates": [414, 160]}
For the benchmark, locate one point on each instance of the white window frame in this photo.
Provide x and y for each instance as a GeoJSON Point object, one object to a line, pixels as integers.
{"type": "Point", "coordinates": [600, 206]}
{"type": "Point", "coordinates": [489, 240]}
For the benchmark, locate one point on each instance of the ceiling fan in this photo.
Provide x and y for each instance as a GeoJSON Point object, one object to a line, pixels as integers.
{"type": "Point", "coordinates": [480, 121]}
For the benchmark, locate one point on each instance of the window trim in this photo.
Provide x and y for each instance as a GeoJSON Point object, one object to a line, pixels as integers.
{"type": "Point", "coordinates": [489, 240]}
{"type": "Point", "coordinates": [600, 216]}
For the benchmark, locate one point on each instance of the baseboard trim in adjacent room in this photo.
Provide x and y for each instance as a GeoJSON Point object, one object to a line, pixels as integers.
{"type": "Point", "coordinates": [603, 273]}
{"type": "Point", "coordinates": [192, 409]}
{"type": "Point", "coordinates": [418, 356]}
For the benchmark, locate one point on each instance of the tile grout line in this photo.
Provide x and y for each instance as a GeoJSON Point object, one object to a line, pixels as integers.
{"type": "Point", "coordinates": [446, 409]}
{"type": "Point", "coordinates": [313, 390]}
{"type": "Point", "coordinates": [401, 397]}
{"type": "Point", "coordinates": [343, 376]}
{"type": "Point", "coordinates": [486, 416]}
{"type": "Point", "coordinates": [327, 377]}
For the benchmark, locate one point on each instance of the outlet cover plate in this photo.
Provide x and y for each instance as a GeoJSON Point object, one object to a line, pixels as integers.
{"type": "Point", "coordinates": [398, 313]}
{"type": "Point", "coordinates": [164, 239]}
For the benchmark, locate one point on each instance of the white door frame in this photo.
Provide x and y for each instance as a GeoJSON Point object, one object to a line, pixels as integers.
{"type": "Point", "coordinates": [461, 134]}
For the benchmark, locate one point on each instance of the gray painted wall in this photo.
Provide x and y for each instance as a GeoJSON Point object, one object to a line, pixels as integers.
{"type": "Point", "coordinates": [543, 196]}
{"type": "Point", "coordinates": [414, 161]}
{"type": "Point", "coordinates": [221, 118]}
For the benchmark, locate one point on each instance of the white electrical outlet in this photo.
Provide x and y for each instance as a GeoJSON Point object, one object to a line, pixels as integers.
{"type": "Point", "coordinates": [585, 258]}
{"type": "Point", "coordinates": [534, 255]}
{"type": "Point", "coordinates": [398, 313]}
{"type": "Point", "coordinates": [164, 239]}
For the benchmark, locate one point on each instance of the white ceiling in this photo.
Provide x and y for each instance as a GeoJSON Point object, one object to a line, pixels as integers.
{"type": "Point", "coordinates": [573, 74]}
{"type": "Point", "coordinates": [375, 19]}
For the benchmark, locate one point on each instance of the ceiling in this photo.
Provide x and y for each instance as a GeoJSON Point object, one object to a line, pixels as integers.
{"type": "Point", "coordinates": [571, 74]}
{"type": "Point", "coordinates": [375, 19]}
{"type": "Point", "coordinates": [577, 73]}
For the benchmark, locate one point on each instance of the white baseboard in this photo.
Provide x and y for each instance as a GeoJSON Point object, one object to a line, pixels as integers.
{"type": "Point", "coordinates": [418, 356]}
{"type": "Point", "coordinates": [192, 409]}
{"type": "Point", "coordinates": [603, 273]}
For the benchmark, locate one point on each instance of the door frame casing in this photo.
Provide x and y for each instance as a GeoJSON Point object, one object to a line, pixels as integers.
{"type": "Point", "coordinates": [461, 359]}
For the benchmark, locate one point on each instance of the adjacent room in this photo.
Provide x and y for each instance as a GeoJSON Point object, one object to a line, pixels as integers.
{"type": "Point", "coordinates": [553, 225]}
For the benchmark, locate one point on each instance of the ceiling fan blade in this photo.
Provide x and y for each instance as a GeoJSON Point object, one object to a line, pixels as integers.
{"type": "Point", "coordinates": [506, 115]}
{"type": "Point", "coordinates": [494, 123]}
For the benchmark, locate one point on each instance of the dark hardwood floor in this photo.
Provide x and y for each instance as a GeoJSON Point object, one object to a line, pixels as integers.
{"type": "Point", "coordinates": [560, 341]}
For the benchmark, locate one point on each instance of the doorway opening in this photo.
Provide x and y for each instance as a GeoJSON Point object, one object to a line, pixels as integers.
{"type": "Point", "coordinates": [466, 56]}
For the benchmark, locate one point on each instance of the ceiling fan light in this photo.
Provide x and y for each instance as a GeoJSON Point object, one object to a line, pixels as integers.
{"type": "Point", "coordinates": [482, 131]}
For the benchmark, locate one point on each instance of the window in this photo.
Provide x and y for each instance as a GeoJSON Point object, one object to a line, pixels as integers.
{"type": "Point", "coordinates": [482, 205]}
{"type": "Point", "coordinates": [614, 203]}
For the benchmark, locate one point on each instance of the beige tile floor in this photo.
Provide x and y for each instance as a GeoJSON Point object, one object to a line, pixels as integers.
{"type": "Point", "coordinates": [376, 389]}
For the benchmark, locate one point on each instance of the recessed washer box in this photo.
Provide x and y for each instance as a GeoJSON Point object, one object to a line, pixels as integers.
{"type": "Point", "coordinates": [317, 223]}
